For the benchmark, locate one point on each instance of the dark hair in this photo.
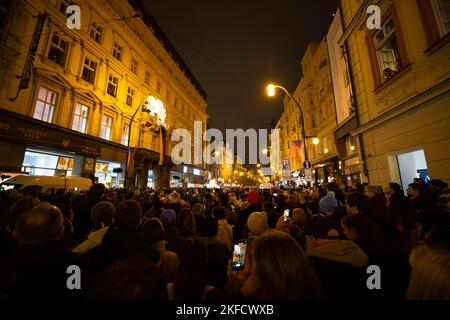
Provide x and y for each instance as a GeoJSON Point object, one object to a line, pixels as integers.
{"type": "Point", "coordinates": [272, 219]}
{"type": "Point", "coordinates": [96, 190]}
{"type": "Point", "coordinates": [416, 187]}
{"type": "Point", "coordinates": [219, 213]}
{"type": "Point", "coordinates": [277, 253]}
{"type": "Point", "coordinates": [186, 223]}
{"type": "Point", "coordinates": [152, 231]}
{"type": "Point", "coordinates": [102, 213]}
{"type": "Point", "coordinates": [128, 214]}
{"type": "Point", "coordinates": [19, 207]}
{"type": "Point", "coordinates": [268, 206]}
{"type": "Point", "coordinates": [396, 187]}
{"type": "Point", "coordinates": [39, 224]}
{"type": "Point", "coordinates": [369, 236]}
{"type": "Point", "coordinates": [314, 207]}
{"type": "Point", "coordinates": [134, 278]}
{"type": "Point", "coordinates": [358, 200]}
{"type": "Point", "coordinates": [210, 227]}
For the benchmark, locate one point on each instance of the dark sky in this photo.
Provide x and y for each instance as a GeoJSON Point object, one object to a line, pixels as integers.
{"type": "Point", "coordinates": [235, 47]}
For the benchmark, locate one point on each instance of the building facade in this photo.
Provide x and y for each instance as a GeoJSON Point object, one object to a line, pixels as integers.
{"type": "Point", "coordinates": [71, 100]}
{"type": "Point", "coordinates": [400, 83]}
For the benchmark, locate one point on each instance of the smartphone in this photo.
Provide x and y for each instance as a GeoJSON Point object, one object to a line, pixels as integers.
{"type": "Point", "coordinates": [286, 215]}
{"type": "Point", "coordinates": [239, 252]}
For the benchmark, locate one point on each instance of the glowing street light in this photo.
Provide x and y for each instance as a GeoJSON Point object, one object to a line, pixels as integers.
{"type": "Point", "coordinates": [316, 141]}
{"type": "Point", "coordinates": [271, 90]}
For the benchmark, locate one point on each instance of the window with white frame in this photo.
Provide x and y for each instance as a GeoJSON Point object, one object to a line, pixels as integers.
{"type": "Point", "coordinates": [117, 51]}
{"type": "Point", "coordinates": [147, 78]}
{"type": "Point", "coordinates": [134, 65]}
{"type": "Point", "coordinates": [89, 70]}
{"type": "Point", "coordinates": [130, 95]}
{"type": "Point", "coordinates": [125, 133]}
{"type": "Point", "coordinates": [45, 105]}
{"type": "Point", "coordinates": [106, 127]}
{"type": "Point", "coordinates": [58, 50]}
{"type": "Point", "coordinates": [80, 118]}
{"type": "Point", "coordinates": [96, 32]}
{"type": "Point", "coordinates": [441, 10]}
{"type": "Point", "coordinates": [387, 50]}
{"type": "Point", "coordinates": [112, 85]}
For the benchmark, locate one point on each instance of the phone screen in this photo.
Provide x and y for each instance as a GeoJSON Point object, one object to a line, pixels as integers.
{"type": "Point", "coordinates": [239, 252]}
{"type": "Point", "coordinates": [286, 215]}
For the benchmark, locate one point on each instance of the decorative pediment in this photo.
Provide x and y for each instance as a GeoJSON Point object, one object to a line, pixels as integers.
{"type": "Point", "coordinates": [54, 77]}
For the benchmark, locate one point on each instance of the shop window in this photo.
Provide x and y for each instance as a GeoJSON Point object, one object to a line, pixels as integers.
{"type": "Point", "coordinates": [80, 118]}
{"type": "Point", "coordinates": [106, 127]}
{"type": "Point", "coordinates": [45, 105]}
{"type": "Point", "coordinates": [96, 32]}
{"type": "Point", "coordinates": [104, 172]}
{"type": "Point", "coordinates": [43, 164]}
{"type": "Point", "coordinates": [112, 85]}
{"type": "Point", "coordinates": [58, 50]}
{"type": "Point", "coordinates": [89, 70]}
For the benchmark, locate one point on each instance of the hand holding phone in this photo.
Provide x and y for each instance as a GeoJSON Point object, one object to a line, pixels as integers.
{"type": "Point", "coordinates": [286, 215]}
{"type": "Point", "coordinates": [239, 253]}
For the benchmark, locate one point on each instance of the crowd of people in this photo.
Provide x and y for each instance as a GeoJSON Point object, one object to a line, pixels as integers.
{"type": "Point", "coordinates": [177, 244]}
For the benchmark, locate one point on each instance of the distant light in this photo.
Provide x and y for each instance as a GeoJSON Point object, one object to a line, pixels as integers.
{"type": "Point", "coordinates": [316, 141]}
{"type": "Point", "coordinates": [264, 151]}
{"type": "Point", "coordinates": [352, 148]}
{"type": "Point", "coordinates": [326, 150]}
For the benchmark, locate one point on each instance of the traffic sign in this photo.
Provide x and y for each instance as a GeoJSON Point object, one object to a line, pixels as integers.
{"type": "Point", "coordinates": [307, 164]}
{"type": "Point", "coordinates": [286, 165]}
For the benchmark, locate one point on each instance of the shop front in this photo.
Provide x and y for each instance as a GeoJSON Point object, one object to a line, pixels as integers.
{"type": "Point", "coordinates": [188, 176]}
{"type": "Point", "coordinates": [326, 170]}
{"type": "Point", "coordinates": [41, 148]}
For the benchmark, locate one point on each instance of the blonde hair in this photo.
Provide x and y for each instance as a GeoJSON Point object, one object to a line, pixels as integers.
{"type": "Point", "coordinates": [430, 276]}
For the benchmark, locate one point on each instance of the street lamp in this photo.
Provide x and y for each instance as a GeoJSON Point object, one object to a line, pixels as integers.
{"type": "Point", "coordinates": [271, 93]}
{"type": "Point", "coordinates": [153, 106]}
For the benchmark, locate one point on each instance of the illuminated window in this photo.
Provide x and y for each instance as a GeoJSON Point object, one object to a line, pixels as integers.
{"type": "Point", "coordinates": [45, 105]}
{"type": "Point", "coordinates": [80, 118]}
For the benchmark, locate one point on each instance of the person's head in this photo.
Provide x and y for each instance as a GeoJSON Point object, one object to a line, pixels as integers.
{"type": "Point", "coordinates": [352, 226]}
{"type": "Point", "coordinates": [372, 191]}
{"type": "Point", "coordinates": [313, 208]}
{"type": "Point", "coordinates": [300, 217]}
{"type": "Point", "coordinates": [257, 222]}
{"type": "Point", "coordinates": [272, 219]}
{"type": "Point", "coordinates": [134, 278]}
{"type": "Point", "coordinates": [102, 214]}
{"type": "Point", "coordinates": [392, 190]}
{"type": "Point", "coordinates": [152, 231]}
{"type": "Point", "coordinates": [210, 227]}
{"type": "Point", "coordinates": [174, 197]}
{"type": "Point", "coordinates": [219, 213]}
{"type": "Point", "coordinates": [357, 202]}
{"type": "Point", "coordinates": [186, 223]}
{"type": "Point", "coordinates": [438, 185]}
{"type": "Point", "coordinates": [96, 190]}
{"type": "Point", "coordinates": [430, 274]}
{"type": "Point", "coordinates": [198, 209]}
{"type": "Point", "coordinates": [194, 257]}
{"type": "Point", "coordinates": [319, 230]}
{"type": "Point", "coordinates": [168, 218]}
{"type": "Point", "coordinates": [414, 190]}
{"type": "Point", "coordinates": [128, 215]}
{"type": "Point", "coordinates": [329, 203]}
{"type": "Point", "coordinates": [268, 206]}
{"type": "Point", "coordinates": [19, 207]}
{"type": "Point", "coordinates": [280, 270]}
{"type": "Point", "coordinates": [42, 223]}
{"type": "Point", "coordinates": [253, 197]}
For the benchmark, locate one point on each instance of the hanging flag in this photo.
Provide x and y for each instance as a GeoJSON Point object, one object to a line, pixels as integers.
{"type": "Point", "coordinates": [298, 149]}
{"type": "Point", "coordinates": [131, 158]}
{"type": "Point", "coordinates": [162, 144]}
{"type": "Point", "coordinates": [26, 75]}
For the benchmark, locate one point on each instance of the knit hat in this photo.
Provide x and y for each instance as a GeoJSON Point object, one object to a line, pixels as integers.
{"type": "Point", "coordinates": [253, 197]}
{"type": "Point", "coordinates": [321, 227]}
{"type": "Point", "coordinates": [329, 202]}
{"type": "Point", "coordinates": [257, 222]}
{"type": "Point", "coordinates": [168, 218]}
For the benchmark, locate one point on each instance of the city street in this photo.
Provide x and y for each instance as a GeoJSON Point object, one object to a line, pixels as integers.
{"type": "Point", "coordinates": [218, 150]}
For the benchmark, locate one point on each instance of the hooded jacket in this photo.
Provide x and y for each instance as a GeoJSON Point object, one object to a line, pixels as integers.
{"type": "Point", "coordinates": [340, 268]}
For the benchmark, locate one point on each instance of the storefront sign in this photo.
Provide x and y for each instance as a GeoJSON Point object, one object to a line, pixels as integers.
{"type": "Point", "coordinates": [28, 132]}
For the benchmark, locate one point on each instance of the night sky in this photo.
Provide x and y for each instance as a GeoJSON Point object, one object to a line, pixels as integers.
{"type": "Point", "coordinates": [235, 47]}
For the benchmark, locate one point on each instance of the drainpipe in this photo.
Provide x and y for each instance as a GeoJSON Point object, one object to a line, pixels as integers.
{"type": "Point", "coordinates": [354, 105]}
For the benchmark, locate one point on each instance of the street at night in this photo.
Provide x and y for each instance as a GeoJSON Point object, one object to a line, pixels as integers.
{"type": "Point", "coordinates": [224, 156]}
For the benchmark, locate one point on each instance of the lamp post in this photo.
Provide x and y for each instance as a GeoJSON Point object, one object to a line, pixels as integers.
{"type": "Point", "coordinates": [271, 92]}
{"type": "Point", "coordinates": [142, 106]}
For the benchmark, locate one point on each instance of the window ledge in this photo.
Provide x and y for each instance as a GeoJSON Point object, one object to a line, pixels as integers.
{"type": "Point", "coordinates": [438, 45]}
{"type": "Point", "coordinates": [397, 76]}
